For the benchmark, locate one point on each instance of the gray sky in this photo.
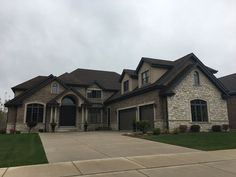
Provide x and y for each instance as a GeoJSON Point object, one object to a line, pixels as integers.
{"type": "Point", "coordinates": [40, 37]}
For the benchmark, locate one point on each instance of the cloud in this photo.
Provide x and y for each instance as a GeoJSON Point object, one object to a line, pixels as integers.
{"type": "Point", "coordinates": [45, 36]}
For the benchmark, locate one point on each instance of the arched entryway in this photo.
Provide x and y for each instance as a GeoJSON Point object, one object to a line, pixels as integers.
{"type": "Point", "coordinates": [67, 112]}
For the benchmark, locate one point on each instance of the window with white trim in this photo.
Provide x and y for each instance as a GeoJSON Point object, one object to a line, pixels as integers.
{"type": "Point", "coordinates": [55, 88]}
{"type": "Point", "coordinates": [145, 77]}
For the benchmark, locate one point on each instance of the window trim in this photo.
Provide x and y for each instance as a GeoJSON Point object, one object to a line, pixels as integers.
{"type": "Point", "coordinates": [57, 88]}
{"type": "Point", "coordinates": [35, 102]}
{"type": "Point", "coordinates": [147, 77]}
{"type": "Point", "coordinates": [127, 81]}
{"type": "Point", "coordinates": [207, 112]}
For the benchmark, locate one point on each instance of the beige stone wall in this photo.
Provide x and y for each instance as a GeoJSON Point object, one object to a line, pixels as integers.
{"type": "Point", "coordinates": [179, 108]}
{"type": "Point", "coordinates": [146, 98]}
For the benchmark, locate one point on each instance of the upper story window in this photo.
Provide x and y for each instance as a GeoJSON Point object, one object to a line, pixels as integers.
{"type": "Point", "coordinates": [126, 86]}
{"type": "Point", "coordinates": [199, 111]}
{"type": "Point", "coordinates": [196, 79]}
{"type": "Point", "coordinates": [145, 77]}
{"type": "Point", "coordinates": [55, 88]}
{"type": "Point", "coordinates": [94, 94]}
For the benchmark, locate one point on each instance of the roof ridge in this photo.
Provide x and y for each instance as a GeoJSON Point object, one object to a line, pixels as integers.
{"type": "Point", "coordinates": [93, 70]}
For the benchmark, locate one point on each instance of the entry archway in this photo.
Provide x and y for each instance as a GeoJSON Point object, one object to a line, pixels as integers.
{"type": "Point", "coordinates": [68, 112]}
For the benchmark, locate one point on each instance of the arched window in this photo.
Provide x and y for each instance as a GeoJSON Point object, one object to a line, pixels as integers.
{"type": "Point", "coordinates": [196, 79]}
{"type": "Point", "coordinates": [68, 101]}
{"type": "Point", "coordinates": [199, 111]}
{"type": "Point", "coordinates": [55, 88]}
{"type": "Point", "coordinates": [35, 113]}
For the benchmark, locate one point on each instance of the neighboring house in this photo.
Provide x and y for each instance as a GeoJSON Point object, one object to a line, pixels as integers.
{"type": "Point", "coordinates": [165, 93]}
{"type": "Point", "coordinates": [230, 83]}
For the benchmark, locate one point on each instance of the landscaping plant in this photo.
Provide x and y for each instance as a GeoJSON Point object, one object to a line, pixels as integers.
{"type": "Point", "coordinates": [156, 131]}
{"type": "Point", "coordinates": [31, 125]}
{"type": "Point", "coordinates": [225, 127]}
{"type": "Point", "coordinates": [216, 128]}
{"type": "Point", "coordinates": [183, 128]}
{"type": "Point", "coordinates": [85, 126]}
{"type": "Point", "coordinates": [143, 126]}
{"type": "Point", "coordinates": [195, 128]}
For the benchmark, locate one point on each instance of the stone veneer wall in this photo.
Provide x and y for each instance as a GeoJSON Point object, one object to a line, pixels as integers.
{"type": "Point", "coordinates": [152, 96]}
{"type": "Point", "coordinates": [232, 111]}
{"type": "Point", "coordinates": [179, 108]}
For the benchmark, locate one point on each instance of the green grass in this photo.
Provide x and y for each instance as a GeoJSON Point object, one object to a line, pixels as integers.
{"type": "Point", "coordinates": [201, 141]}
{"type": "Point", "coordinates": [21, 149]}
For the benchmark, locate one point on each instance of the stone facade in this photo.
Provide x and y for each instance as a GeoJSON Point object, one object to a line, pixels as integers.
{"type": "Point", "coordinates": [151, 97]}
{"type": "Point", "coordinates": [179, 108]}
{"type": "Point", "coordinates": [231, 103]}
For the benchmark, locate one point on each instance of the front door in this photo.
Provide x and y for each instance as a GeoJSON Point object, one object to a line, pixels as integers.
{"type": "Point", "coordinates": [68, 112]}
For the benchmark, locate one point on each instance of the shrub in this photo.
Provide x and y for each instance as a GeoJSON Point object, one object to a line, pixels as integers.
{"type": "Point", "coordinates": [12, 131]}
{"type": "Point", "coordinates": [195, 128]}
{"type": "Point", "coordinates": [41, 130]}
{"type": "Point", "coordinates": [102, 128]}
{"type": "Point", "coordinates": [3, 131]}
{"type": "Point", "coordinates": [225, 127]}
{"type": "Point", "coordinates": [18, 132]}
{"type": "Point", "coordinates": [53, 126]}
{"type": "Point", "coordinates": [156, 131]}
{"type": "Point", "coordinates": [183, 128]}
{"type": "Point", "coordinates": [31, 125]}
{"type": "Point", "coordinates": [143, 126]}
{"type": "Point", "coordinates": [216, 128]}
{"type": "Point", "coordinates": [175, 131]}
{"type": "Point", "coordinates": [134, 125]}
{"type": "Point", "coordinates": [165, 131]}
{"type": "Point", "coordinates": [85, 126]}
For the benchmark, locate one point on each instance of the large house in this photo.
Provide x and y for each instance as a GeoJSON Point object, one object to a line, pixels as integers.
{"type": "Point", "coordinates": [165, 93]}
{"type": "Point", "coordinates": [230, 83]}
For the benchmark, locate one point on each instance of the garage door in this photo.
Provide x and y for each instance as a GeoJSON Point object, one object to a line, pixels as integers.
{"type": "Point", "coordinates": [126, 119]}
{"type": "Point", "coordinates": [147, 113]}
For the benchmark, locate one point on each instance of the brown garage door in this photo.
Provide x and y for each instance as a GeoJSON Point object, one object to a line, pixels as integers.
{"type": "Point", "coordinates": [147, 113]}
{"type": "Point", "coordinates": [126, 119]}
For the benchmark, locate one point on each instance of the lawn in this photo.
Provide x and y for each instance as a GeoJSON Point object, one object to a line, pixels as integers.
{"type": "Point", "coordinates": [21, 149]}
{"type": "Point", "coordinates": [201, 141]}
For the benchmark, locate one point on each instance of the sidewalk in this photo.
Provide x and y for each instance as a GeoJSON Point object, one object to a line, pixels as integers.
{"type": "Point", "coordinates": [194, 164]}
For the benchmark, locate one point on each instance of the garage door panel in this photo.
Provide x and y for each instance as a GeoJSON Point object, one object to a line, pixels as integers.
{"type": "Point", "coordinates": [147, 114]}
{"type": "Point", "coordinates": [126, 119]}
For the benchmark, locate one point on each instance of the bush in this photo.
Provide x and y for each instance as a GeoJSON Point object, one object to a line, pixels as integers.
{"type": "Point", "coordinates": [225, 127]}
{"type": "Point", "coordinates": [41, 130]}
{"type": "Point", "coordinates": [12, 131]}
{"type": "Point", "coordinates": [175, 131]}
{"type": "Point", "coordinates": [102, 128]}
{"type": "Point", "coordinates": [183, 128]}
{"type": "Point", "coordinates": [18, 132]}
{"type": "Point", "coordinates": [216, 128]}
{"type": "Point", "coordinates": [53, 126]}
{"type": "Point", "coordinates": [195, 128]}
{"type": "Point", "coordinates": [3, 131]}
{"type": "Point", "coordinates": [165, 131]}
{"type": "Point", "coordinates": [156, 131]}
{"type": "Point", "coordinates": [143, 126]}
{"type": "Point", "coordinates": [31, 125]}
{"type": "Point", "coordinates": [134, 125]}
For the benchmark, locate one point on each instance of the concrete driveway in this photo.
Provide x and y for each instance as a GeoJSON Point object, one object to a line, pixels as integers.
{"type": "Point", "coordinates": [74, 146]}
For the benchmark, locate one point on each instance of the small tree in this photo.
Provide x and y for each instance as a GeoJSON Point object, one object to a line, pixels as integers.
{"type": "Point", "coordinates": [143, 126]}
{"type": "Point", "coordinates": [31, 125]}
{"type": "Point", "coordinates": [85, 126]}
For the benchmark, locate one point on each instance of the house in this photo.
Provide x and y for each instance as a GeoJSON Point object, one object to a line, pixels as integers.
{"type": "Point", "coordinates": [230, 83]}
{"type": "Point", "coordinates": [165, 93]}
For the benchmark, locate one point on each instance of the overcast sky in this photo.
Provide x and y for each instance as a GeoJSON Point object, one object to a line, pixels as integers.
{"type": "Point", "coordinates": [40, 37]}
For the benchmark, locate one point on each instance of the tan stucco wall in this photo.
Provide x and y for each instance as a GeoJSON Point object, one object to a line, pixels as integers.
{"type": "Point", "coordinates": [179, 108]}
{"type": "Point", "coordinates": [154, 73]}
{"type": "Point", "coordinates": [133, 83]}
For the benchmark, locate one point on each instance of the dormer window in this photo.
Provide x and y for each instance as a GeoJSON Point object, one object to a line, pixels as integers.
{"type": "Point", "coordinates": [196, 79]}
{"type": "Point", "coordinates": [126, 86]}
{"type": "Point", "coordinates": [94, 93]}
{"type": "Point", "coordinates": [55, 88]}
{"type": "Point", "coordinates": [145, 77]}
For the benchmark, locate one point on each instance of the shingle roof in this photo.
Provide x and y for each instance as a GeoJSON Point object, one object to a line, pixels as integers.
{"type": "Point", "coordinates": [106, 79]}
{"type": "Point", "coordinates": [177, 70]}
{"type": "Point", "coordinates": [28, 84]}
{"type": "Point", "coordinates": [230, 83]}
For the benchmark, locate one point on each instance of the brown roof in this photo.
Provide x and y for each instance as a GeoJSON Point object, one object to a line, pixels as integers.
{"type": "Point", "coordinates": [230, 83]}
{"type": "Point", "coordinates": [29, 83]}
{"type": "Point", "coordinates": [106, 79]}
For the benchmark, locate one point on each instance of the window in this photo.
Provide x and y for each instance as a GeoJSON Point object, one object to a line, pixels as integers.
{"type": "Point", "coordinates": [94, 115]}
{"type": "Point", "coordinates": [34, 113]}
{"type": "Point", "coordinates": [126, 86]}
{"type": "Point", "coordinates": [196, 79]}
{"type": "Point", "coordinates": [55, 88]}
{"type": "Point", "coordinates": [199, 111]}
{"type": "Point", "coordinates": [94, 94]}
{"type": "Point", "coordinates": [145, 77]}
